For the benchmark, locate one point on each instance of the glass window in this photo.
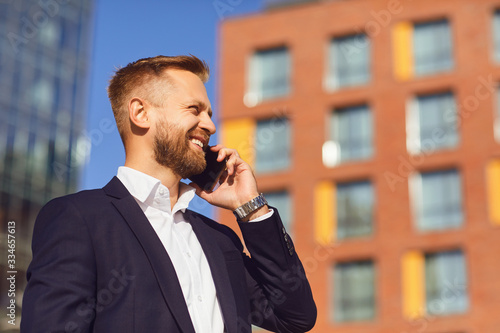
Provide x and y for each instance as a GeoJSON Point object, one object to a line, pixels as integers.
{"type": "Point", "coordinates": [351, 129]}
{"type": "Point", "coordinates": [446, 283]}
{"type": "Point", "coordinates": [354, 209]}
{"type": "Point", "coordinates": [432, 123]}
{"type": "Point", "coordinates": [50, 33]}
{"type": "Point", "coordinates": [42, 94]}
{"type": "Point", "coordinates": [272, 145]}
{"type": "Point", "coordinates": [438, 200]}
{"type": "Point", "coordinates": [354, 291]}
{"type": "Point", "coordinates": [432, 45]}
{"type": "Point", "coordinates": [282, 202]}
{"type": "Point", "coordinates": [349, 61]}
{"type": "Point", "coordinates": [496, 34]}
{"type": "Point", "coordinates": [269, 75]}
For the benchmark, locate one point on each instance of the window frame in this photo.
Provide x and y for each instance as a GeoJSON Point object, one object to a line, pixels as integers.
{"type": "Point", "coordinates": [445, 288]}
{"type": "Point", "coordinates": [350, 233]}
{"type": "Point", "coordinates": [337, 313]}
{"type": "Point", "coordinates": [332, 80]}
{"type": "Point", "coordinates": [283, 165]}
{"type": "Point", "coordinates": [366, 140]}
{"type": "Point", "coordinates": [443, 65]}
{"type": "Point", "coordinates": [414, 140]}
{"type": "Point", "coordinates": [416, 188]}
{"type": "Point", "coordinates": [255, 92]}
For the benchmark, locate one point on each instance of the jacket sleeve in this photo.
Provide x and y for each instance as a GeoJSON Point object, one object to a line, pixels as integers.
{"type": "Point", "coordinates": [281, 298]}
{"type": "Point", "coordinates": [61, 276]}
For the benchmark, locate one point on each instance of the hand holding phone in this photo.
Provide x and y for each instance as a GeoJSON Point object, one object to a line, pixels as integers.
{"type": "Point", "coordinates": [210, 176]}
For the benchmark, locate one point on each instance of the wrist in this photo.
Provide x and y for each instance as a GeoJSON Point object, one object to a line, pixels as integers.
{"type": "Point", "coordinates": [256, 213]}
{"type": "Point", "coordinates": [253, 208]}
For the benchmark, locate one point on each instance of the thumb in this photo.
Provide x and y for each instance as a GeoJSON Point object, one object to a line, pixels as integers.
{"type": "Point", "coordinates": [199, 192]}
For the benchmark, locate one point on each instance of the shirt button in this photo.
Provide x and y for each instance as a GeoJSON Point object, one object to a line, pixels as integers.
{"type": "Point", "coordinates": [200, 298]}
{"type": "Point", "coordinates": [162, 192]}
{"type": "Point", "coordinates": [188, 254]}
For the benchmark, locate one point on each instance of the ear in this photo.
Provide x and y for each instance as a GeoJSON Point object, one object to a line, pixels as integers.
{"type": "Point", "coordinates": [138, 112]}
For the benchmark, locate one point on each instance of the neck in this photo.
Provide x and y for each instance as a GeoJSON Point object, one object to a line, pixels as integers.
{"type": "Point", "coordinates": [166, 176]}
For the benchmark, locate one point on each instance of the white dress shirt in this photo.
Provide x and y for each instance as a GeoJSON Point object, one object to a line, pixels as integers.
{"type": "Point", "coordinates": [181, 244]}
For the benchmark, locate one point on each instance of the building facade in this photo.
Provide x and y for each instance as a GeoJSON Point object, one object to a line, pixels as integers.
{"type": "Point", "coordinates": [44, 56]}
{"type": "Point", "coordinates": [374, 127]}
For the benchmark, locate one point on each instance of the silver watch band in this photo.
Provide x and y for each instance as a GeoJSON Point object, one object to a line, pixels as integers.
{"type": "Point", "coordinates": [244, 210]}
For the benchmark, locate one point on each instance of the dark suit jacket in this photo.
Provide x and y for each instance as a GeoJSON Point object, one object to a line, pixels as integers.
{"type": "Point", "coordinates": [98, 266]}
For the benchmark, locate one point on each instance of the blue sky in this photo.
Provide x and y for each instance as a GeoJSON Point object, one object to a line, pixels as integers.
{"type": "Point", "coordinates": [127, 30]}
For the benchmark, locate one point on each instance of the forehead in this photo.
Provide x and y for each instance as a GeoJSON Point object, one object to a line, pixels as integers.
{"type": "Point", "coordinates": [187, 89]}
{"type": "Point", "coordinates": [185, 82]}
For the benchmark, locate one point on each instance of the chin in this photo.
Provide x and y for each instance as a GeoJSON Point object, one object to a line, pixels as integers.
{"type": "Point", "coordinates": [194, 168]}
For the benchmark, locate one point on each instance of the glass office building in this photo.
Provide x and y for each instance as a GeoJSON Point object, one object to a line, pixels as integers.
{"type": "Point", "coordinates": [44, 58]}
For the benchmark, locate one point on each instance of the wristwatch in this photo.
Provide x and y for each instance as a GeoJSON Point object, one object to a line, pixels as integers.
{"type": "Point", "coordinates": [247, 208]}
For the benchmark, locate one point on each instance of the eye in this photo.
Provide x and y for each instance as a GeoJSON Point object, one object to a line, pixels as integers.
{"type": "Point", "coordinates": [195, 108]}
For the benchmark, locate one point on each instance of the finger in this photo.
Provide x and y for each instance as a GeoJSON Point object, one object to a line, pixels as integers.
{"type": "Point", "coordinates": [199, 192]}
{"type": "Point", "coordinates": [226, 153]}
{"type": "Point", "coordinates": [216, 147]}
{"type": "Point", "coordinates": [230, 165]}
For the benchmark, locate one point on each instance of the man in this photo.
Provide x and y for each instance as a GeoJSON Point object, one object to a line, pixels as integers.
{"type": "Point", "coordinates": [131, 257]}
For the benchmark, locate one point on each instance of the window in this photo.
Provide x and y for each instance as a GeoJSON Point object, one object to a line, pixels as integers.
{"type": "Point", "coordinates": [354, 292]}
{"type": "Point", "coordinates": [496, 34]}
{"type": "Point", "coordinates": [50, 34]}
{"type": "Point", "coordinates": [432, 45]}
{"type": "Point", "coordinates": [352, 131]}
{"type": "Point", "coordinates": [281, 200]}
{"type": "Point", "coordinates": [269, 75]}
{"type": "Point", "coordinates": [432, 123]}
{"type": "Point", "coordinates": [42, 94]}
{"type": "Point", "coordinates": [446, 283]}
{"type": "Point", "coordinates": [349, 61]}
{"type": "Point", "coordinates": [437, 198]}
{"type": "Point", "coordinates": [272, 145]}
{"type": "Point", "coordinates": [354, 209]}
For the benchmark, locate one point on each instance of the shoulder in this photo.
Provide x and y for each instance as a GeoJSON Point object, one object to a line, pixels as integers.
{"type": "Point", "coordinates": [75, 200]}
{"type": "Point", "coordinates": [74, 209]}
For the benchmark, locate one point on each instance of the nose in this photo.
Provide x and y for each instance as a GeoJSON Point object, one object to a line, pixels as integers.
{"type": "Point", "coordinates": [206, 123]}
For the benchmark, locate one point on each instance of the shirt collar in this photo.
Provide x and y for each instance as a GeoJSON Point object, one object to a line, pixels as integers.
{"type": "Point", "coordinates": [145, 188]}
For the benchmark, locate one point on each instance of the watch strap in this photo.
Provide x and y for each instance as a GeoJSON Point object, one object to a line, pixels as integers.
{"type": "Point", "coordinates": [247, 208]}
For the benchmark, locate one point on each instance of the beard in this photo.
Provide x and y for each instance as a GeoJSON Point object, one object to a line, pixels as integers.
{"type": "Point", "coordinates": [172, 149]}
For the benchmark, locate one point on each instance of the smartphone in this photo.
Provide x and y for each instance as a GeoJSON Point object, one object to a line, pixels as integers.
{"type": "Point", "coordinates": [210, 176]}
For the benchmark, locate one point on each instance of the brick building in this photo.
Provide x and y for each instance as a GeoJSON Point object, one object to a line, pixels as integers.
{"type": "Point", "coordinates": [374, 126]}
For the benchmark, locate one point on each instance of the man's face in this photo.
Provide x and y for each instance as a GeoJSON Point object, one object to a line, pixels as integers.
{"type": "Point", "coordinates": [184, 126]}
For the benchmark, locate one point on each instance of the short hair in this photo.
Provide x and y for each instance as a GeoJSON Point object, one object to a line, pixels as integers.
{"type": "Point", "coordinates": [136, 78]}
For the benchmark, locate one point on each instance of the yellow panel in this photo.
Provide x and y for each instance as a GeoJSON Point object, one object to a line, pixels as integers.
{"type": "Point", "coordinates": [413, 280]}
{"type": "Point", "coordinates": [402, 45]}
{"type": "Point", "coordinates": [493, 179]}
{"type": "Point", "coordinates": [240, 135]}
{"type": "Point", "coordinates": [325, 214]}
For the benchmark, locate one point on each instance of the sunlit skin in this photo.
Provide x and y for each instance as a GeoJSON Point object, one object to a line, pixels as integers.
{"type": "Point", "coordinates": [186, 106]}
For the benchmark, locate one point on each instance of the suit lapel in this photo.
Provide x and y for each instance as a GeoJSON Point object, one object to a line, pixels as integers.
{"type": "Point", "coordinates": [218, 269]}
{"type": "Point", "coordinates": [155, 252]}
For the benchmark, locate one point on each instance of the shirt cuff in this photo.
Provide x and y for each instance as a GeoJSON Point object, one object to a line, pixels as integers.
{"type": "Point", "coordinates": [263, 217]}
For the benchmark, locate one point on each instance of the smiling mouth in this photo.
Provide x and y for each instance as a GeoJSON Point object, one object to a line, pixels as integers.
{"type": "Point", "coordinates": [197, 142]}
